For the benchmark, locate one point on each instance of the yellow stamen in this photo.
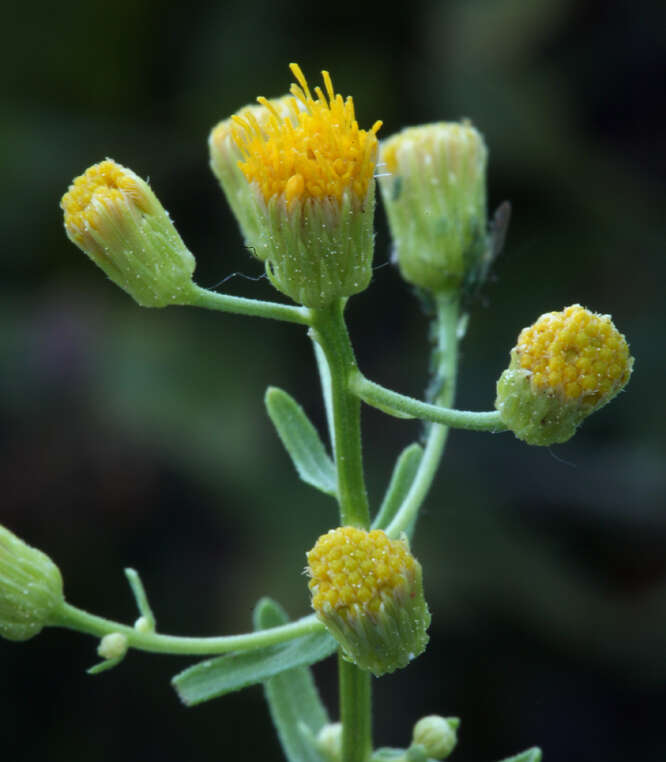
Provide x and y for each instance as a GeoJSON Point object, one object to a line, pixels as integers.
{"type": "Point", "coordinates": [320, 143]}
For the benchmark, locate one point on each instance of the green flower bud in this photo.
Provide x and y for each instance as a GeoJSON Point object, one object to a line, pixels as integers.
{"type": "Point", "coordinates": [311, 173]}
{"type": "Point", "coordinates": [30, 588]}
{"type": "Point", "coordinates": [113, 646]}
{"type": "Point", "coordinates": [563, 368]}
{"type": "Point", "coordinates": [368, 591]}
{"type": "Point", "coordinates": [437, 735]}
{"type": "Point", "coordinates": [433, 182]}
{"type": "Point", "coordinates": [116, 219]}
{"type": "Point", "coordinates": [329, 741]}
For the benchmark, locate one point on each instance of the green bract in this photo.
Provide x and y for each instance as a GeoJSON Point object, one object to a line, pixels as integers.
{"type": "Point", "coordinates": [30, 588]}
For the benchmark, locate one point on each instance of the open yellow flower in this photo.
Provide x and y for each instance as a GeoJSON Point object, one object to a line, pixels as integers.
{"type": "Point", "coordinates": [311, 172]}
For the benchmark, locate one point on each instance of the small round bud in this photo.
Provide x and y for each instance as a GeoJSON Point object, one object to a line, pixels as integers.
{"type": "Point", "coordinates": [116, 219]}
{"type": "Point", "coordinates": [433, 182]}
{"type": "Point", "coordinates": [329, 741]}
{"type": "Point", "coordinates": [311, 173]}
{"type": "Point", "coordinates": [437, 735]}
{"type": "Point", "coordinates": [113, 646]}
{"type": "Point", "coordinates": [30, 588]}
{"type": "Point", "coordinates": [563, 368]}
{"type": "Point", "coordinates": [143, 625]}
{"type": "Point", "coordinates": [367, 589]}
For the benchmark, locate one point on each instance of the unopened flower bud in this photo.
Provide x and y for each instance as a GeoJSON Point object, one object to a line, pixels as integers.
{"type": "Point", "coordinates": [113, 646]}
{"type": "Point", "coordinates": [311, 172]}
{"type": "Point", "coordinates": [437, 735]}
{"type": "Point", "coordinates": [30, 588]}
{"type": "Point", "coordinates": [433, 182]}
{"type": "Point", "coordinates": [225, 157]}
{"type": "Point", "coordinates": [116, 219]}
{"type": "Point", "coordinates": [329, 741]}
{"type": "Point", "coordinates": [367, 589]}
{"type": "Point", "coordinates": [563, 368]}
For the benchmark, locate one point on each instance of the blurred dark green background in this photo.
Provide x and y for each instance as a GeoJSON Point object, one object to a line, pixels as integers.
{"type": "Point", "coordinates": [138, 438]}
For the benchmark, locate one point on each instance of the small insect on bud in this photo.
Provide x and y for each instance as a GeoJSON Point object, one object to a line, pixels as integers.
{"type": "Point", "coordinates": [433, 182]}
{"type": "Point", "coordinates": [116, 219]}
{"type": "Point", "coordinates": [437, 735]}
{"type": "Point", "coordinates": [367, 589]}
{"type": "Point", "coordinates": [30, 588]}
{"type": "Point", "coordinates": [563, 368]}
{"type": "Point", "coordinates": [311, 172]}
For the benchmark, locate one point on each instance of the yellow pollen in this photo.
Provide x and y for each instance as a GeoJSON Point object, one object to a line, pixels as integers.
{"type": "Point", "coordinates": [575, 354]}
{"type": "Point", "coordinates": [106, 182]}
{"type": "Point", "coordinates": [319, 142]}
{"type": "Point", "coordinates": [374, 566]}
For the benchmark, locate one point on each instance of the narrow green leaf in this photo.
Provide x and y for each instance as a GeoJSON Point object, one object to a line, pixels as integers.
{"type": "Point", "coordinates": [102, 666]}
{"type": "Point", "coordinates": [402, 478]}
{"type": "Point", "coordinates": [388, 754]}
{"type": "Point", "coordinates": [296, 709]}
{"type": "Point", "coordinates": [301, 441]}
{"type": "Point", "coordinates": [531, 755]}
{"type": "Point", "coordinates": [231, 672]}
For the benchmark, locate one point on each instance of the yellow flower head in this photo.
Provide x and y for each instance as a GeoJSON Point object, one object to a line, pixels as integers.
{"type": "Point", "coordinates": [315, 152]}
{"type": "Point", "coordinates": [225, 157]}
{"type": "Point", "coordinates": [564, 367]}
{"type": "Point", "coordinates": [115, 218]}
{"type": "Point", "coordinates": [576, 355]}
{"type": "Point", "coordinates": [303, 190]}
{"type": "Point", "coordinates": [103, 186]}
{"type": "Point", "coordinates": [367, 589]}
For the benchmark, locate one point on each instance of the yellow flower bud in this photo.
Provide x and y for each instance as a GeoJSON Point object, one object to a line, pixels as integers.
{"type": "Point", "coordinates": [433, 182]}
{"type": "Point", "coordinates": [225, 157]}
{"type": "Point", "coordinates": [311, 171]}
{"type": "Point", "coordinates": [367, 589]}
{"type": "Point", "coordinates": [30, 588]}
{"type": "Point", "coordinates": [116, 219]}
{"type": "Point", "coordinates": [563, 368]}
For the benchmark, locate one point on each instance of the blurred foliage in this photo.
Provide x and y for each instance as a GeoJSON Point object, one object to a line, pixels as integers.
{"type": "Point", "coordinates": [137, 437]}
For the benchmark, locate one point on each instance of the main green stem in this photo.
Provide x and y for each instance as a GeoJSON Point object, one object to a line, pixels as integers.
{"type": "Point", "coordinates": [330, 333]}
{"type": "Point", "coordinates": [446, 366]}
